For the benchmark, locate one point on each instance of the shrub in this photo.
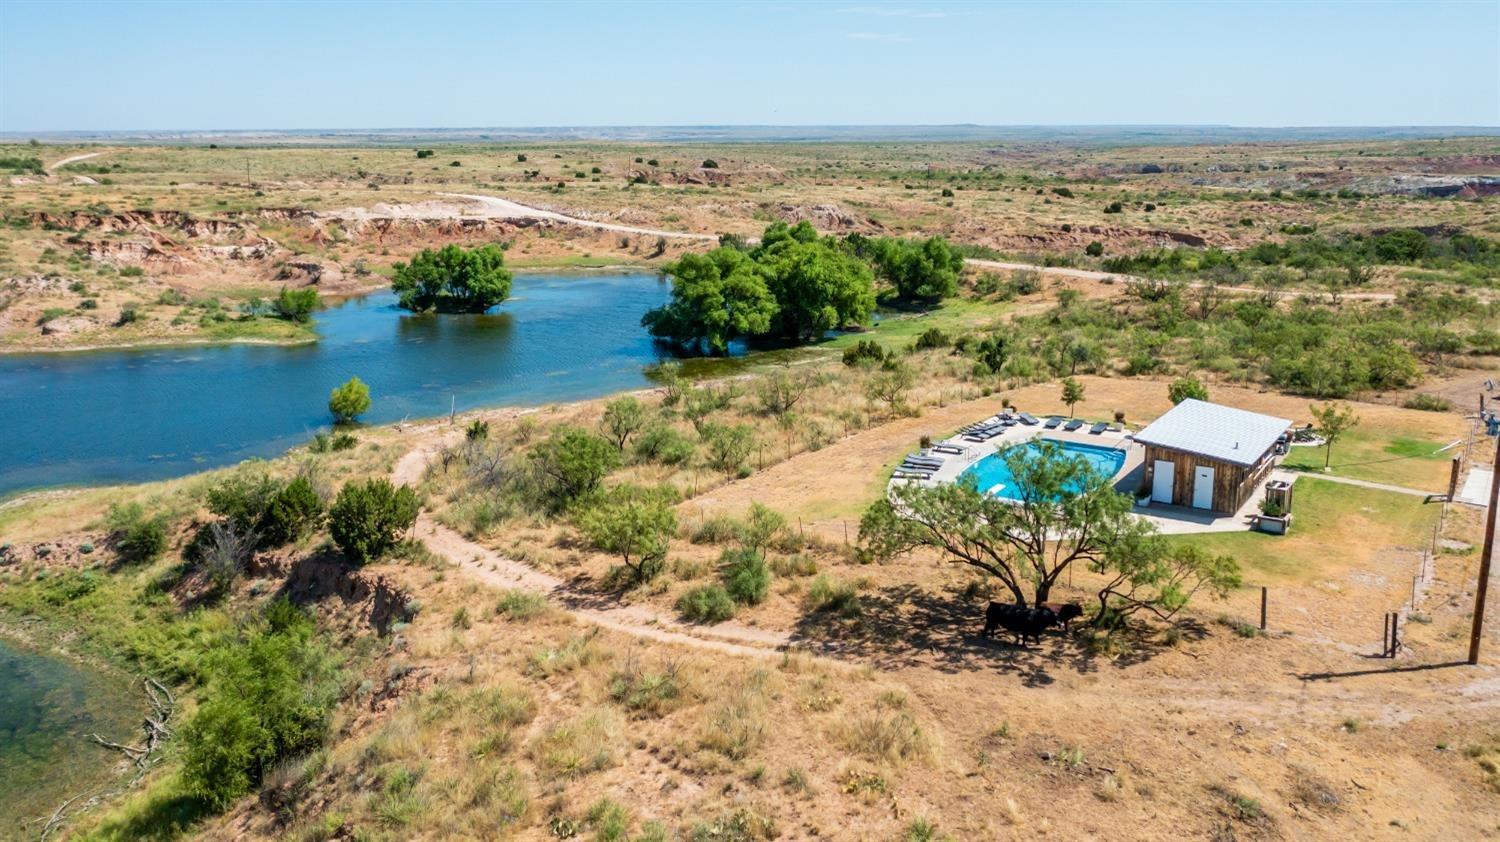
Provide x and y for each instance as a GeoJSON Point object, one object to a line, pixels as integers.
{"type": "Point", "coordinates": [706, 604]}
{"type": "Point", "coordinates": [932, 338]}
{"type": "Point", "coordinates": [664, 444]}
{"type": "Point", "coordinates": [833, 596]}
{"type": "Point", "coordinates": [572, 462]}
{"type": "Point", "coordinates": [1094, 249]}
{"type": "Point", "coordinates": [349, 401]}
{"type": "Point", "coordinates": [268, 698]}
{"type": "Point", "coordinates": [137, 538]}
{"type": "Point", "coordinates": [633, 523]}
{"type": "Point", "coordinates": [295, 305]}
{"type": "Point", "coordinates": [1403, 245]}
{"type": "Point", "coordinates": [1114, 207]}
{"type": "Point", "coordinates": [130, 314]}
{"type": "Point", "coordinates": [710, 164]}
{"type": "Point", "coordinates": [1428, 403]}
{"type": "Point", "coordinates": [295, 511]}
{"type": "Point", "coordinates": [1187, 387]}
{"type": "Point", "coordinates": [747, 579]}
{"type": "Point", "coordinates": [367, 518]}
{"type": "Point", "coordinates": [729, 445]}
{"type": "Point", "coordinates": [863, 352]}
{"type": "Point", "coordinates": [521, 605]}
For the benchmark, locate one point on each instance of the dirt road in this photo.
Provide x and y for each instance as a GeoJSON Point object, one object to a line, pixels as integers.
{"type": "Point", "coordinates": [496, 206]}
{"type": "Point", "coordinates": [72, 159]}
{"type": "Point", "coordinates": [1092, 275]}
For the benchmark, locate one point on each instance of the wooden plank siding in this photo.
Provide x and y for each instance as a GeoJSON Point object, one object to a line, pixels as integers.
{"type": "Point", "coordinates": [1233, 484]}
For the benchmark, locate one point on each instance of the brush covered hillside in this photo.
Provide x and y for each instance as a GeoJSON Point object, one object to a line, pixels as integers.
{"type": "Point", "coordinates": [688, 612]}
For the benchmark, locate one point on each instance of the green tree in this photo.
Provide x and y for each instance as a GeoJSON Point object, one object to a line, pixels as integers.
{"type": "Point", "coordinates": [729, 445]}
{"type": "Point", "coordinates": [1187, 387]}
{"type": "Point", "coordinates": [1332, 420]}
{"type": "Point", "coordinates": [368, 518]}
{"type": "Point", "coordinates": [296, 305]}
{"type": "Point", "coordinates": [1064, 512]}
{"type": "Point", "coordinates": [623, 418]}
{"type": "Point", "coordinates": [1072, 393]}
{"type": "Point", "coordinates": [919, 270]}
{"type": "Point", "coordinates": [633, 523]}
{"type": "Point", "coordinates": [349, 401]}
{"type": "Point", "coordinates": [760, 526]}
{"type": "Point", "coordinates": [572, 462]}
{"type": "Point", "coordinates": [453, 280]}
{"type": "Point", "coordinates": [890, 385]}
{"type": "Point", "coordinates": [1404, 245]}
{"type": "Point", "coordinates": [717, 298]}
{"type": "Point", "coordinates": [818, 287]}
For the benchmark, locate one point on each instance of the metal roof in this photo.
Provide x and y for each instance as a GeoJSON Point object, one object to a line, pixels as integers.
{"type": "Point", "coordinates": [1218, 432]}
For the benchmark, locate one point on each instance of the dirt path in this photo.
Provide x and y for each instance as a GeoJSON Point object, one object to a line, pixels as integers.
{"type": "Point", "coordinates": [1364, 483]}
{"type": "Point", "coordinates": [496, 570]}
{"type": "Point", "coordinates": [1091, 275]}
{"type": "Point", "coordinates": [496, 206]}
{"type": "Point", "coordinates": [71, 160]}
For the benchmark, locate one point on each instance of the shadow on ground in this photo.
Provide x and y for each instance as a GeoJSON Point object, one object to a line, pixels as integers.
{"type": "Point", "coordinates": [908, 626]}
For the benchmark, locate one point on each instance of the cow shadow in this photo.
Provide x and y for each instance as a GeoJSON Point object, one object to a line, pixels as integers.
{"type": "Point", "coordinates": [905, 625]}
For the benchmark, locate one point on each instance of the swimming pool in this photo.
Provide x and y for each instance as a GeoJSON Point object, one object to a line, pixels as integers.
{"type": "Point", "coordinates": [992, 476]}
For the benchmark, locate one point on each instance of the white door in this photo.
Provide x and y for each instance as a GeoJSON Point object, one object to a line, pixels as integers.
{"type": "Point", "coordinates": [1161, 482]}
{"type": "Point", "coordinates": [1203, 487]}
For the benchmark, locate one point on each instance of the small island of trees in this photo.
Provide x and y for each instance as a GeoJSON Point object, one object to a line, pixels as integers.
{"type": "Point", "coordinates": [452, 279]}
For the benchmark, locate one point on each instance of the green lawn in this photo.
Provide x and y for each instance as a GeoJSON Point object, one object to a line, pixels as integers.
{"type": "Point", "coordinates": [954, 316]}
{"type": "Point", "coordinates": [1374, 454]}
{"type": "Point", "coordinates": [1334, 526]}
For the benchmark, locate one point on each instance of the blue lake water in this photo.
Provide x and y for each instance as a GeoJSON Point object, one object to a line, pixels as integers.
{"type": "Point", "coordinates": [144, 414]}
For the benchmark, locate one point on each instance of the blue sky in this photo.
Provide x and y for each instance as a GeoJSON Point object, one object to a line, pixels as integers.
{"type": "Point", "coordinates": [241, 65]}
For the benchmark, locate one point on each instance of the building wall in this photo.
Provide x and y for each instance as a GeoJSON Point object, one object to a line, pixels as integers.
{"type": "Point", "coordinates": [1233, 484]}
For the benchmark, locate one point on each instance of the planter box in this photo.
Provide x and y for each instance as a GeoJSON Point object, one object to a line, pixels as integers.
{"type": "Point", "coordinates": [1273, 525]}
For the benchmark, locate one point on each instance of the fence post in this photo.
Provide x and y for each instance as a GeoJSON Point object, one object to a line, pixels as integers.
{"type": "Point", "coordinates": [1262, 607]}
{"type": "Point", "coordinates": [1385, 635]}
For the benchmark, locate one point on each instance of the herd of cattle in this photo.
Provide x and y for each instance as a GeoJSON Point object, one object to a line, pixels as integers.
{"type": "Point", "coordinates": [1029, 622]}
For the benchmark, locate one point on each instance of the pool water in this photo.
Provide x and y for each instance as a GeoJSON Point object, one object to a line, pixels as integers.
{"type": "Point", "coordinates": [992, 476]}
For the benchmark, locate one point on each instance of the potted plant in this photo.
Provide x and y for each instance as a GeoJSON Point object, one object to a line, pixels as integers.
{"type": "Point", "coordinates": [1273, 519]}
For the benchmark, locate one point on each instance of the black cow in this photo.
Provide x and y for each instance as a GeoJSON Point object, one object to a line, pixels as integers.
{"type": "Point", "coordinates": [1019, 620]}
{"type": "Point", "coordinates": [1066, 612]}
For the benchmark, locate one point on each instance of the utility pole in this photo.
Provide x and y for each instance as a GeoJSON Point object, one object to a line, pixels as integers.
{"type": "Point", "coordinates": [1482, 590]}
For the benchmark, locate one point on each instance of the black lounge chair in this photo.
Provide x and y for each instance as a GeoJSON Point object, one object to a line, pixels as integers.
{"type": "Point", "coordinates": [911, 475]}
{"type": "Point", "coordinates": [1053, 422]}
{"type": "Point", "coordinates": [917, 458]}
{"type": "Point", "coordinates": [948, 448]}
{"type": "Point", "coordinates": [1028, 419]}
{"type": "Point", "coordinates": [1073, 424]}
{"type": "Point", "coordinates": [1099, 428]}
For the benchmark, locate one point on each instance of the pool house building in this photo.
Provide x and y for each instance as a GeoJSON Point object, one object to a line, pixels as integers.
{"type": "Point", "coordinates": [1207, 456]}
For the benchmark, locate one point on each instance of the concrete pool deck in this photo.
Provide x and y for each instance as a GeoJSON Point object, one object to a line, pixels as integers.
{"type": "Point", "coordinates": [1169, 520]}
